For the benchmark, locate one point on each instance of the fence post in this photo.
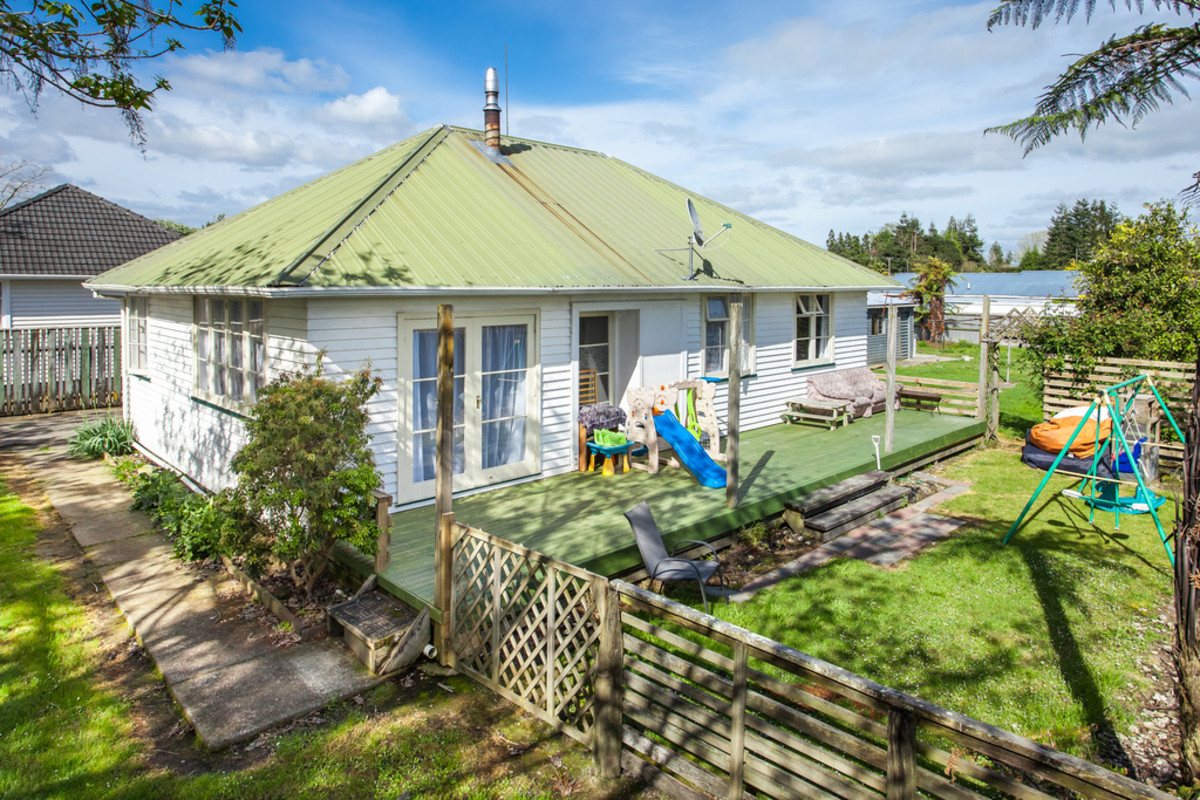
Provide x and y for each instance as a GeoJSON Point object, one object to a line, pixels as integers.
{"type": "Point", "coordinates": [443, 591]}
{"type": "Point", "coordinates": [901, 755]}
{"type": "Point", "coordinates": [737, 738]}
{"type": "Point", "coordinates": [985, 324]}
{"type": "Point", "coordinates": [610, 664]}
{"type": "Point", "coordinates": [383, 520]}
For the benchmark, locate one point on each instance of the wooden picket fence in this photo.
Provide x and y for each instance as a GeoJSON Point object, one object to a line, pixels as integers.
{"type": "Point", "coordinates": [1173, 380]}
{"type": "Point", "coordinates": [700, 708]}
{"type": "Point", "coordinates": [59, 369]}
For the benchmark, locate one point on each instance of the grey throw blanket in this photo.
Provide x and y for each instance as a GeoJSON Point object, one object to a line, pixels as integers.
{"type": "Point", "coordinates": [600, 417]}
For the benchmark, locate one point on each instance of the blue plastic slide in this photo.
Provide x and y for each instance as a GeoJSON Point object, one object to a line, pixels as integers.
{"type": "Point", "coordinates": [693, 456]}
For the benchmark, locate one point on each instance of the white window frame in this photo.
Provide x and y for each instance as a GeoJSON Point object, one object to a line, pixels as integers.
{"type": "Point", "coordinates": [5, 322]}
{"type": "Point", "coordinates": [136, 330]}
{"type": "Point", "coordinates": [224, 352]}
{"type": "Point", "coordinates": [877, 319]}
{"type": "Point", "coordinates": [809, 309]}
{"type": "Point", "coordinates": [749, 351]}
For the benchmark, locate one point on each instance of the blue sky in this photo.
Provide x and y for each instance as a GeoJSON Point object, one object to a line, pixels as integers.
{"type": "Point", "coordinates": [809, 116]}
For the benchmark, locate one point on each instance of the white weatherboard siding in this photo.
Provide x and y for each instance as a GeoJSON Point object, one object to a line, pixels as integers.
{"type": "Point", "coordinates": [199, 439]}
{"type": "Point", "coordinates": [58, 303]}
{"type": "Point", "coordinates": [189, 435]}
{"type": "Point", "coordinates": [354, 331]}
{"type": "Point", "coordinates": [775, 379]}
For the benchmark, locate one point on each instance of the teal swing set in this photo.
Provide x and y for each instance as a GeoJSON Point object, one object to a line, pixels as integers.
{"type": "Point", "coordinates": [1102, 493]}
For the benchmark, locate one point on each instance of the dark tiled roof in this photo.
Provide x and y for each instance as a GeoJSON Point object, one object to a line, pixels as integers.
{"type": "Point", "coordinates": [68, 231]}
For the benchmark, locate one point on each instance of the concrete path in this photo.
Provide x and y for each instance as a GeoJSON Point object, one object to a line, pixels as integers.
{"type": "Point", "coordinates": [231, 680]}
{"type": "Point", "coordinates": [883, 542]}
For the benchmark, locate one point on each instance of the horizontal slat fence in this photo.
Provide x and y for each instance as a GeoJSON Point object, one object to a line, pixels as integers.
{"type": "Point", "coordinates": [708, 714]}
{"type": "Point", "coordinates": [1173, 380]}
{"type": "Point", "coordinates": [960, 398]}
{"type": "Point", "coordinates": [59, 369]}
{"type": "Point", "coordinates": [700, 708]}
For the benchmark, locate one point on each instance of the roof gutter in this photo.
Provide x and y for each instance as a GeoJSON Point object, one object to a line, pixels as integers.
{"type": "Point", "coordinates": [275, 292]}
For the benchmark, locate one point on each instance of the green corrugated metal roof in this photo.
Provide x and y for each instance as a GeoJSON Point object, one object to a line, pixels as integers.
{"type": "Point", "coordinates": [435, 211]}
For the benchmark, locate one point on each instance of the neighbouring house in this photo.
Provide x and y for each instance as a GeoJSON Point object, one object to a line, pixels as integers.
{"type": "Point", "coordinates": [555, 259]}
{"type": "Point", "coordinates": [1037, 291]}
{"type": "Point", "coordinates": [51, 243]}
{"type": "Point", "coordinates": [878, 304]}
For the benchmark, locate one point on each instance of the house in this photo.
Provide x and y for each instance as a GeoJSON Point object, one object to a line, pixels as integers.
{"type": "Point", "coordinates": [878, 304]}
{"type": "Point", "coordinates": [51, 243]}
{"type": "Point", "coordinates": [554, 259]}
{"type": "Point", "coordinates": [1037, 291]}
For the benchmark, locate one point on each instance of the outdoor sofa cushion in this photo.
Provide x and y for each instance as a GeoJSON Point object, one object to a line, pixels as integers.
{"type": "Point", "coordinates": [860, 387]}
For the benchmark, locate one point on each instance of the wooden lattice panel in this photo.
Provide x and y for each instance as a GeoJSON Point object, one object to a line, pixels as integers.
{"type": "Point", "coordinates": [527, 626]}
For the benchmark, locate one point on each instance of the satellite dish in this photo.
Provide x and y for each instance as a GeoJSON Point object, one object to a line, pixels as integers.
{"type": "Point", "coordinates": [696, 239]}
{"type": "Point", "coordinates": [697, 231]}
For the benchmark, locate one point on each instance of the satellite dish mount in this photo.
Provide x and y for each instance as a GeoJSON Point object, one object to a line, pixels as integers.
{"type": "Point", "coordinates": [695, 239]}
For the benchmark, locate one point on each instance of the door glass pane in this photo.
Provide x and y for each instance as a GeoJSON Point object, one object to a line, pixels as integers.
{"type": "Point", "coordinates": [503, 442]}
{"type": "Point", "coordinates": [504, 395]}
{"type": "Point", "coordinates": [425, 455]}
{"type": "Point", "coordinates": [504, 347]}
{"type": "Point", "coordinates": [594, 357]}
{"type": "Point", "coordinates": [593, 330]}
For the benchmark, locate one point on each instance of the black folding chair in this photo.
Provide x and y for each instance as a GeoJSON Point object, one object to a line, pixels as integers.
{"type": "Point", "coordinates": [663, 567]}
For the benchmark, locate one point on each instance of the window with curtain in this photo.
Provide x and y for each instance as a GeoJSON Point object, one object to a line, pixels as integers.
{"type": "Point", "coordinates": [424, 383]}
{"type": "Point", "coordinates": [138, 355]}
{"type": "Point", "coordinates": [814, 339]}
{"type": "Point", "coordinates": [505, 362]}
{"type": "Point", "coordinates": [230, 341]}
{"type": "Point", "coordinates": [716, 335]}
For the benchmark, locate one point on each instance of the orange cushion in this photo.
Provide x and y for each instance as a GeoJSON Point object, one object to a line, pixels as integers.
{"type": "Point", "coordinates": [1052, 435]}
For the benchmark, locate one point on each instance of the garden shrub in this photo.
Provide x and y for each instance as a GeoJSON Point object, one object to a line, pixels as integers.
{"type": "Point", "coordinates": [195, 523]}
{"type": "Point", "coordinates": [99, 437]}
{"type": "Point", "coordinates": [307, 472]}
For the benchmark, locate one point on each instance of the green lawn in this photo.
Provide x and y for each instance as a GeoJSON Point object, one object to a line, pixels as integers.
{"type": "Point", "coordinates": [1039, 637]}
{"type": "Point", "coordinates": [66, 733]}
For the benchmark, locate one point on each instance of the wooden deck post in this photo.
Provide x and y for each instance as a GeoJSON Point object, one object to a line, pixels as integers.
{"type": "Point", "coordinates": [444, 469]}
{"type": "Point", "coordinates": [610, 662]}
{"type": "Point", "coordinates": [985, 372]}
{"type": "Point", "coordinates": [733, 415]}
{"type": "Point", "coordinates": [901, 755]}
{"type": "Point", "coordinates": [889, 412]}
{"type": "Point", "coordinates": [443, 591]}
{"type": "Point", "coordinates": [383, 501]}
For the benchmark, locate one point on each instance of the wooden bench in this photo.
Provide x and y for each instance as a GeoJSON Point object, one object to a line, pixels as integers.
{"type": "Point", "coordinates": [918, 399]}
{"type": "Point", "coordinates": [827, 413]}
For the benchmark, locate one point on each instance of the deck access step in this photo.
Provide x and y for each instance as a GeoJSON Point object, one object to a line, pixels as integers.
{"type": "Point", "coordinates": [382, 632]}
{"type": "Point", "coordinates": [835, 494]}
{"type": "Point", "coordinates": [848, 516]}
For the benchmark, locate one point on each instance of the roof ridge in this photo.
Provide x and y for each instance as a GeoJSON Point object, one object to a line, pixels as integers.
{"type": "Point", "coordinates": [9, 209]}
{"type": "Point", "coordinates": [340, 231]}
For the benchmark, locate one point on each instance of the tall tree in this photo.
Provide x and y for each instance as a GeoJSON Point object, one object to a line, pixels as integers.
{"type": "Point", "coordinates": [89, 52]}
{"type": "Point", "coordinates": [1124, 79]}
{"type": "Point", "coordinates": [1075, 233]}
{"type": "Point", "coordinates": [929, 290]}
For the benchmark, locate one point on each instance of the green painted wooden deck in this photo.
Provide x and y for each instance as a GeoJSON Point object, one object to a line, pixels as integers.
{"type": "Point", "coordinates": [578, 517]}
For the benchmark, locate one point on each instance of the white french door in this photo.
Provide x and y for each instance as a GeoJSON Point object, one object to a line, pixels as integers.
{"type": "Point", "coordinates": [497, 392]}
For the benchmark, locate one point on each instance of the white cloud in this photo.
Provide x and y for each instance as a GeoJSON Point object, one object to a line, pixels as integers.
{"type": "Point", "coordinates": [261, 70]}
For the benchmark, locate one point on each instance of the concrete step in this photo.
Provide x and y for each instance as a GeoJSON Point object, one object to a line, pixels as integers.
{"type": "Point", "coordinates": [836, 494]}
{"type": "Point", "coordinates": [848, 516]}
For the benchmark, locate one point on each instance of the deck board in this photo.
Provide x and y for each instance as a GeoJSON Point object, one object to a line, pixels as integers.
{"type": "Point", "coordinates": [578, 517]}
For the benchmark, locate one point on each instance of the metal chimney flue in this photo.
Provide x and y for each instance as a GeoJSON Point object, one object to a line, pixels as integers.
{"type": "Point", "coordinates": [491, 111]}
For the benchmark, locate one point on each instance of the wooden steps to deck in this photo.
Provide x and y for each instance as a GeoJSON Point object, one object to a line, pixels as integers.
{"type": "Point", "coordinates": [841, 507]}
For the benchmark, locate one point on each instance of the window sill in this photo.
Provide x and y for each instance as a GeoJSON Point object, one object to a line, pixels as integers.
{"type": "Point", "coordinates": [725, 378]}
{"type": "Point", "coordinates": [240, 410]}
{"type": "Point", "coordinates": [808, 367]}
